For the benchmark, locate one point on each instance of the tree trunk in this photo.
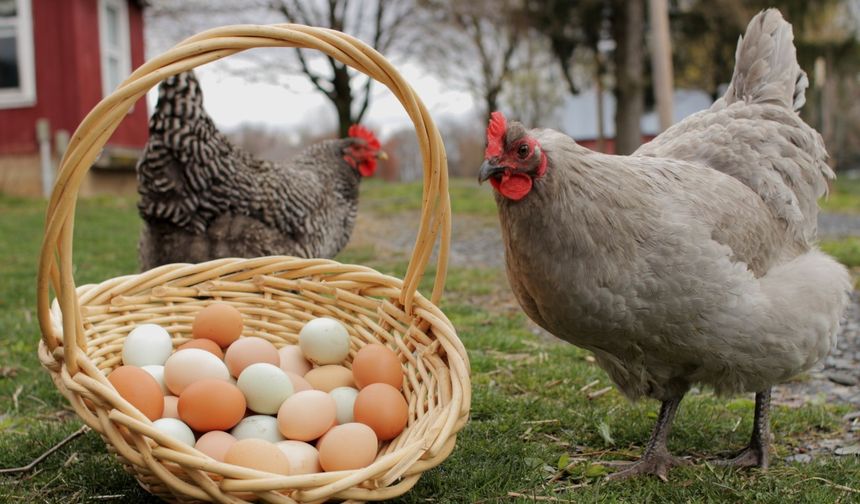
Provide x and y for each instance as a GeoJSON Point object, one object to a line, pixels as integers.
{"type": "Point", "coordinates": [342, 99]}
{"type": "Point", "coordinates": [598, 88]}
{"type": "Point", "coordinates": [628, 27]}
{"type": "Point", "coordinates": [661, 60]}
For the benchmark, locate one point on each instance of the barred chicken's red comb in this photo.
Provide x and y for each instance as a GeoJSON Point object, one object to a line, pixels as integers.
{"type": "Point", "coordinates": [495, 135]}
{"type": "Point", "coordinates": [359, 131]}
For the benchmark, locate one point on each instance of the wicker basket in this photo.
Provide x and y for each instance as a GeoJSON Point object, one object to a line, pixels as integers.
{"type": "Point", "coordinates": [276, 295]}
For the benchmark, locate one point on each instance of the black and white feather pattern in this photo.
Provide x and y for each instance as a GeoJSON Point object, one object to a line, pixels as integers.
{"type": "Point", "coordinates": [203, 198]}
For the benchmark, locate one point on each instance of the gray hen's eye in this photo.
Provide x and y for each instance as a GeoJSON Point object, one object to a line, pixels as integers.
{"type": "Point", "coordinates": [523, 151]}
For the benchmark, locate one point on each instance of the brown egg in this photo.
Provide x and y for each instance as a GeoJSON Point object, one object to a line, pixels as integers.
{"type": "Point", "coordinates": [140, 389]}
{"type": "Point", "coordinates": [258, 454]}
{"type": "Point", "coordinates": [218, 322]}
{"type": "Point", "coordinates": [204, 344]}
{"type": "Point", "coordinates": [383, 408]}
{"type": "Point", "coordinates": [330, 377]}
{"type": "Point", "coordinates": [293, 360]}
{"type": "Point", "coordinates": [215, 444]}
{"type": "Point", "coordinates": [298, 382]}
{"type": "Point", "coordinates": [208, 405]}
{"type": "Point", "coordinates": [348, 446]}
{"type": "Point", "coordinates": [247, 351]}
{"type": "Point", "coordinates": [377, 364]}
{"type": "Point", "coordinates": [171, 407]}
{"type": "Point", "coordinates": [307, 415]}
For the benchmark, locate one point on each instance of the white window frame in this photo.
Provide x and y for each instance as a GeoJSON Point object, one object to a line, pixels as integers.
{"type": "Point", "coordinates": [25, 94]}
{"type": "Point", "coordinates": [106, 50]}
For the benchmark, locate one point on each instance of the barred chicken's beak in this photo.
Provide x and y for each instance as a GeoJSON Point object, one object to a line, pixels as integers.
{"type": "Point", "coordinates": [382, 156]}
{"type": "Point", "coordinates": [488, 170]}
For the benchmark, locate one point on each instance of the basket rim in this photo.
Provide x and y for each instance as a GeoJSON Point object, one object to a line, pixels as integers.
{"type": "Point", "coordinates": [403, 465]}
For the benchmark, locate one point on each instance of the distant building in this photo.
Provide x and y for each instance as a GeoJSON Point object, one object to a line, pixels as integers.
{"type": "Point", "coordinates": [579, 116]}
{"type": "Point", "coordinates": [58, 58]}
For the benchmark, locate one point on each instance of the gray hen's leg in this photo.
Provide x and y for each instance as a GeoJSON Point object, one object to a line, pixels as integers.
{"type": "Point", "coordinates": [755, 455]}
{"type": "Point", "coordinates": [656, 460]}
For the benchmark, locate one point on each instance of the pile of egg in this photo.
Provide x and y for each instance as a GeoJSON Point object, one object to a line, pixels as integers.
{"type": "Point", "coordinates": [240, 400]}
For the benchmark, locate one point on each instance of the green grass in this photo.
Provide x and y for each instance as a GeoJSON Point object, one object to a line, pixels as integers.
{"type": "Point", "coordinates": [844, 196]}
{"type": "Point", "coordinates": [533, 431]}
{"type": "Point", "coordinates": [845, 250]}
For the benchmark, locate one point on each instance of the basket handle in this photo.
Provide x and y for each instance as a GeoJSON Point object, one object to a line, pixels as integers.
{"type": "Point", "coordinates": [55, 263]}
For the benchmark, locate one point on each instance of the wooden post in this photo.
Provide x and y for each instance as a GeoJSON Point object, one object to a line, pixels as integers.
{"type": "Point", "coordinates": [661, 60]}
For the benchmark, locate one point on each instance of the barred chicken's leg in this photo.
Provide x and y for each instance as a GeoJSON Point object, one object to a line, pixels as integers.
{"type": "Point", "coordinates": [755, 455]}
{"type": "Point", "coordinates": [656, 460]}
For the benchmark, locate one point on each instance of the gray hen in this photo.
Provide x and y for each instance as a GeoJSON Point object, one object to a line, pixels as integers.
{"type": "Point", "coordinates": [202, 198]}
{"type": "Point", "coordinates": [693, 261]}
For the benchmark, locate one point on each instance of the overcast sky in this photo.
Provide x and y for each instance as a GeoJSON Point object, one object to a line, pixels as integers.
{"type": "Point", "coordinates": [232, 100]}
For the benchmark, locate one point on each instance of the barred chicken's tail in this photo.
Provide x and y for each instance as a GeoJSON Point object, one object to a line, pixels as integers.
{"type": "Point", "coordinates": [766, 69]}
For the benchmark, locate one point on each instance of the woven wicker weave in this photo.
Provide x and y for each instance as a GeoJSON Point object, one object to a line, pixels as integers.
{"type": "Point", "coordinates": [276, 295]}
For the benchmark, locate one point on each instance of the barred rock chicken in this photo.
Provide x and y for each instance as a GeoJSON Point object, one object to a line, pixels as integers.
{"type": "Point", "coordinates": [203, 198]}
{"type": "Point", "coordinates": [692, 261]}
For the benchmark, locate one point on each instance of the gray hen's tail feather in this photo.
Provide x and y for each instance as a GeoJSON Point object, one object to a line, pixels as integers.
{"type": "Point", "coordinates": [766, 69]}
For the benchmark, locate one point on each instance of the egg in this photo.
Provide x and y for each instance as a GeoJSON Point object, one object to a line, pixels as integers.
{"type": "Point", "coordinates": [383, 408]}
{"type": "Point", "coordinates": [175, 429]}
{"type": "Point", "coordinates": [190, 365]}
{"type": "Point", "coordinates": [293, 360]}
{"type": "Point", "coordinates": [219, 322]}
{"type": "Point", "coordinates": [299, 383]}
{"type": "Point", "coordinates": [304, 458]}
{"type": "Point", "coordinates": [157, 372]}
{"type": "Point", "coordinates": [140, 389]}
{"type": "Point", "coordinates": [265, 386]}
{"type": "Point", "coordinates": [377, 364]}
{"type": "Point", "coordinates": [344, 398]}
{"type": "Point", "coordinates": [146, 344]}
{"type": "Point", "coordinates": [330, 377]}
{"type": "Point", "coordinates": [324, 341]}
{"type": "Point", "coordinates": [171, 407]}
{"type": "Point", "coordinates": [203, 344]}
{"type": "Point", "coordinates": [348, 446]}
{"type": "Point", "coordinates": [307, 415]}
{"type": "Point", "coordinates": [247, 351]}
{"type": "Point", "coordinates": [258, 427]}
{"type": "Point", "coordinates": [211, 404]}
{"type": "Point", "coordinates": [215, 444]}
{"type": "Point", "coordinates": [258, 454]}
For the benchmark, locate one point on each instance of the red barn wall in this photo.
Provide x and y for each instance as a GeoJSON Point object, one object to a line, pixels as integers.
{"type": "Point", "coordinates": [68, 78]}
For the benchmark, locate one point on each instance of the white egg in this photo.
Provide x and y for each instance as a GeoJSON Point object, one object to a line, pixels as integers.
{"type": "Point", "coordinates": [146, 344]}
{"type": "Point", "coordinates": [190, 365]}
{"type": "Point", "coordinates": [344, 398]}
{"type": "Point", "coordinates": [265, 386]}
{"type": "Point", "coordinates": [304, 458]}
{"type": "Point", "coordinates": [176, 429]}
{"type": "Point", "coordinates": [324, 341]}
{"type": "Point", "coordinates": [157, 372]}
{"type": "Point", "coordinates": [263, 427]}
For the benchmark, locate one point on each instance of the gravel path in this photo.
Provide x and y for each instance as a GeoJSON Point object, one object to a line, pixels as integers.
{"type": "Point", "coordinates": [832, 225]}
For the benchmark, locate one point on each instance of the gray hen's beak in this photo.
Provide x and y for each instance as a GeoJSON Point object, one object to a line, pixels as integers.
{"type": "Point", "coordinates": [489, 170]}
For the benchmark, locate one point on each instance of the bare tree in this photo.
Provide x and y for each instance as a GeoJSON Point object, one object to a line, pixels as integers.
{"type": "Point", "coordinates": [474, 44]}
{"type": "Point", "coordinates": [379, 23]}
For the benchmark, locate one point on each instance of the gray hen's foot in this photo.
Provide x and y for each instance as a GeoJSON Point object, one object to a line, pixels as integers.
{"type": "Point", "coordinates": [748, 457]}
{"type": "Point", "coordinates": [756, 453]}
{"type": "Point", "coordinates": [655, 464]}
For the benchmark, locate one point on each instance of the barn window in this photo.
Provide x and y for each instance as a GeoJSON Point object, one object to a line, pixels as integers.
{"type": "Point", "coordinates": [115, 43]}
{"type": "Point", "coordinates": [17, 74]}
